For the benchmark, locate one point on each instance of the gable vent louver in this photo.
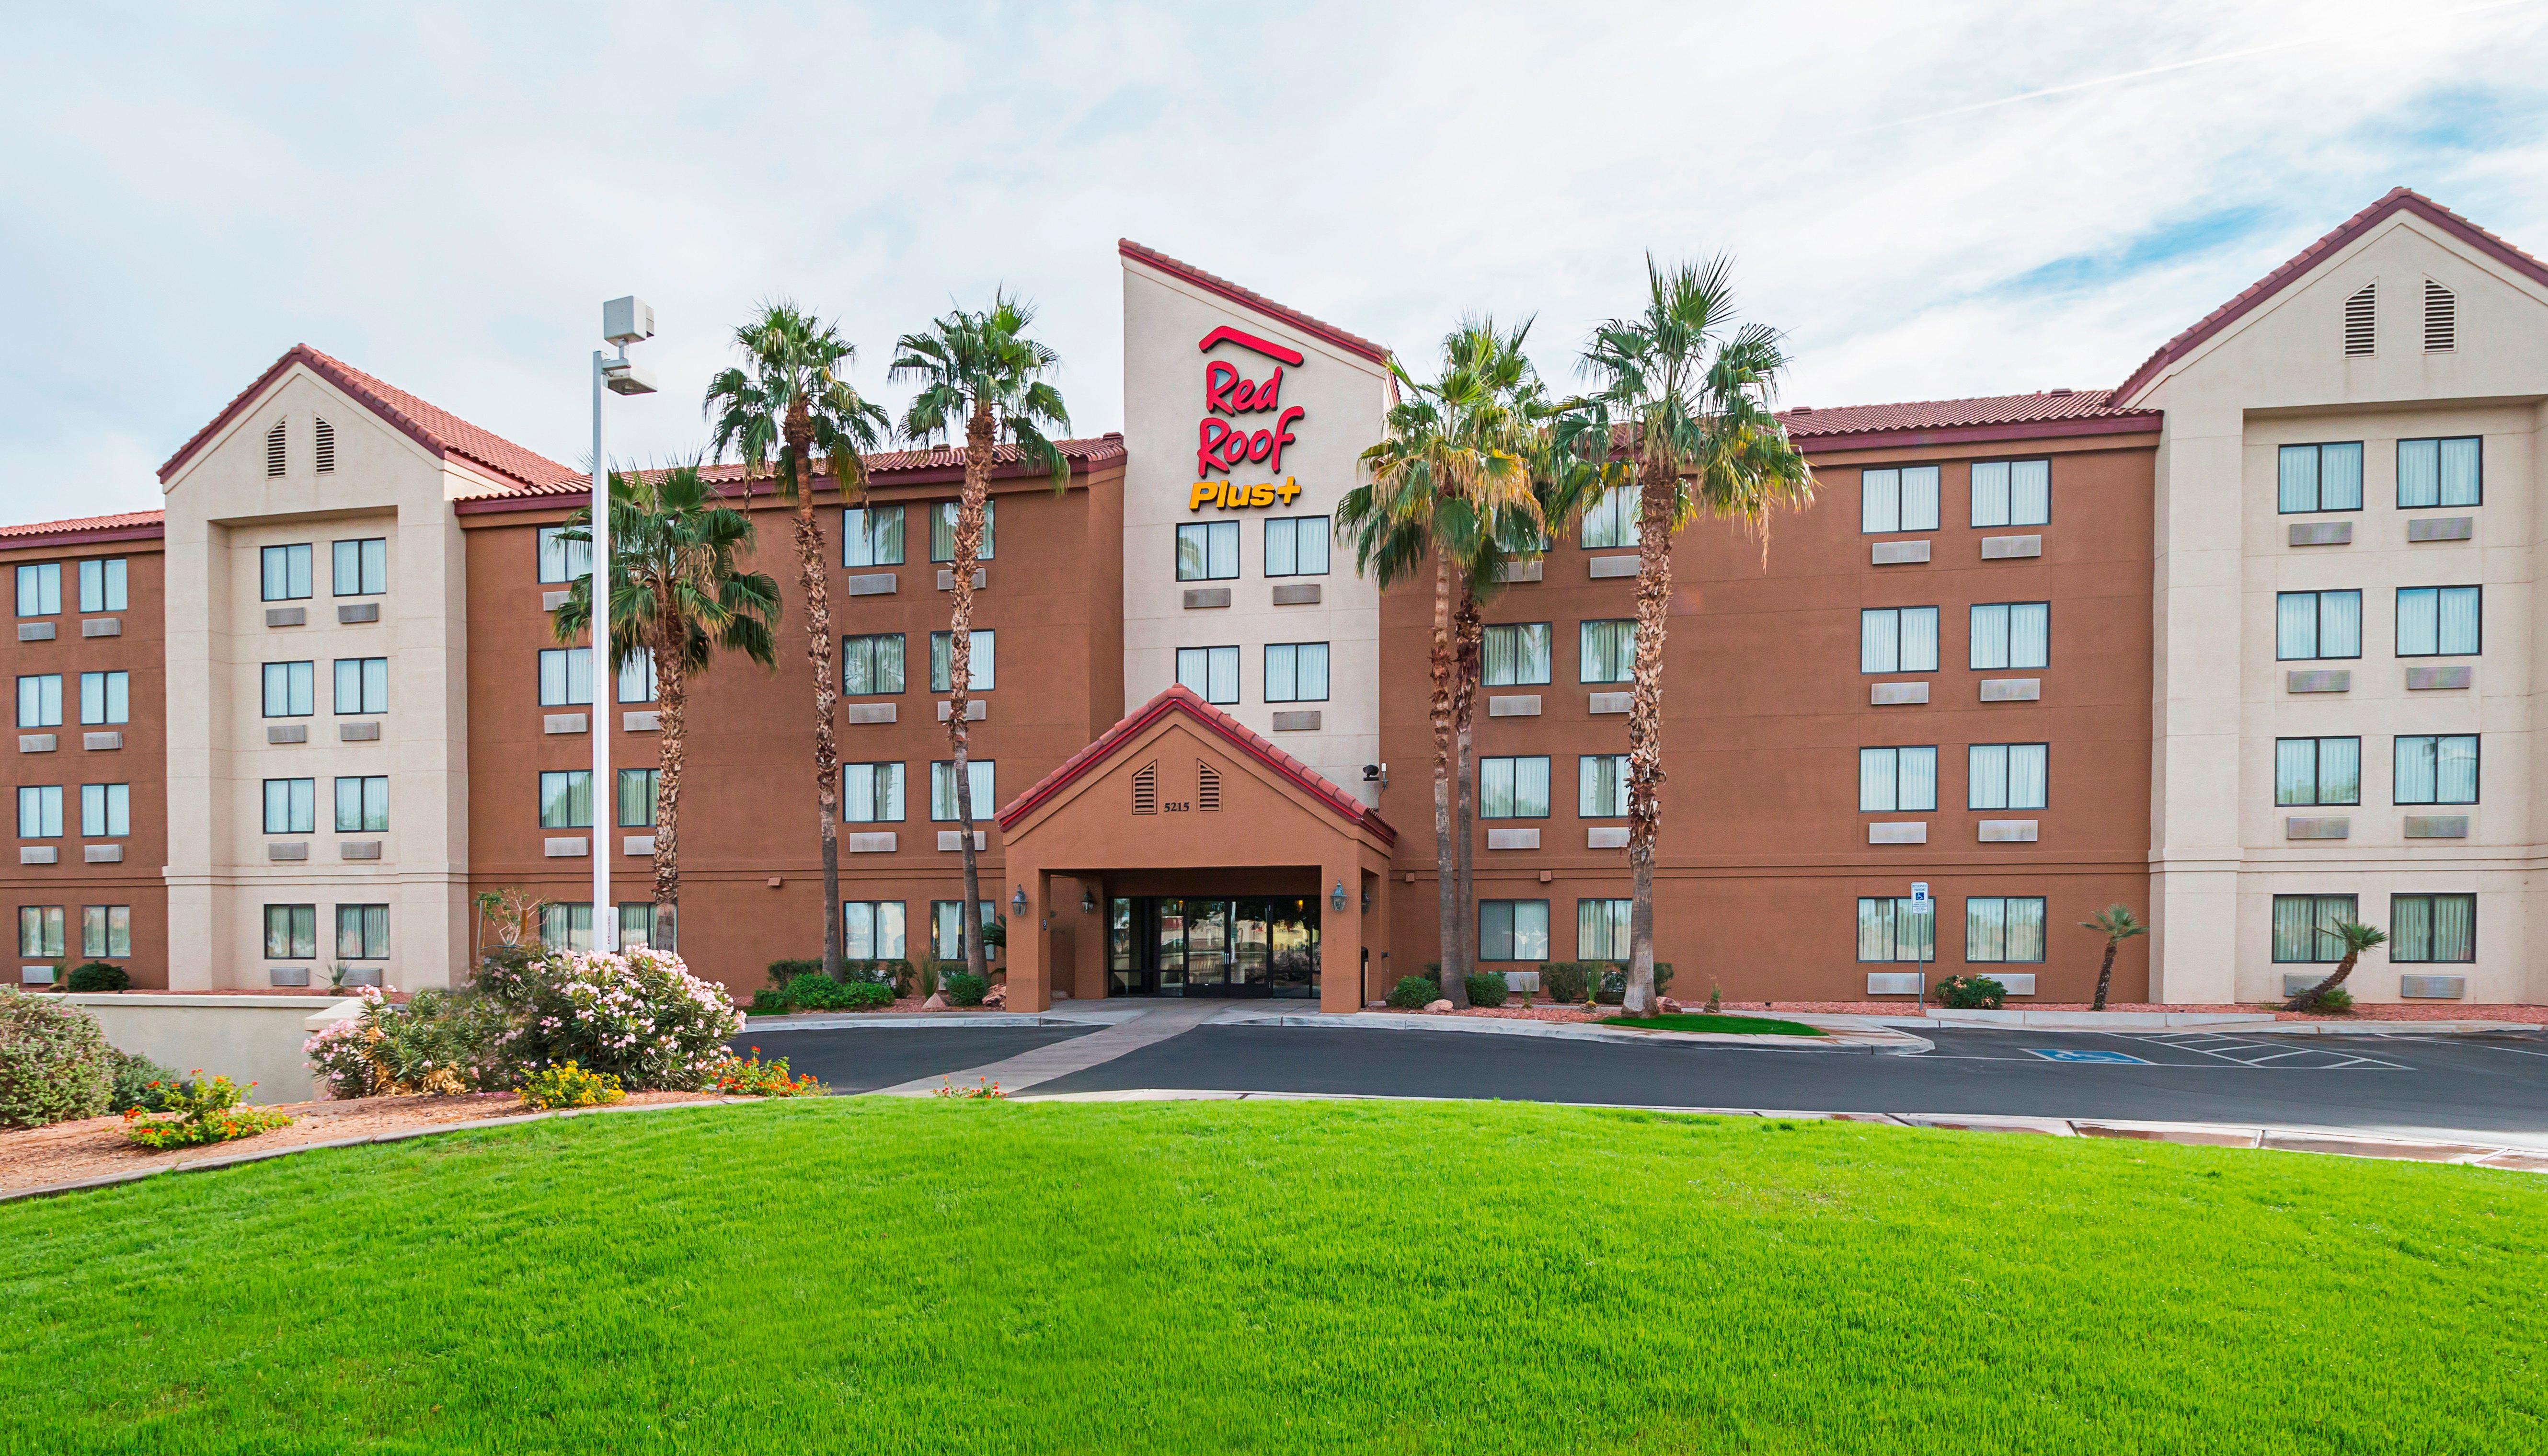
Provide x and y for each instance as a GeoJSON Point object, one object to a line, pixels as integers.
{"type": "Point", "coordinates": [324, 453]}
{"type": "Point", "coordinates": [1206, 789]}
{"type": "Point", "coordinates": [1145, 789]}
{"type": "Point", "coordinates": [2357, 320]}
{"type": "Point", "coordinates": [274, 458]}
{"type": "Point", "coordinates": [2441, 318]}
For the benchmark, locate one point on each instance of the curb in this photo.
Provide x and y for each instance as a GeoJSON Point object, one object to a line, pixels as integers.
{"type": "Point", "coordinates": [1844, 1040]}
{"type": "Point", "coordinates": [888, 1021]}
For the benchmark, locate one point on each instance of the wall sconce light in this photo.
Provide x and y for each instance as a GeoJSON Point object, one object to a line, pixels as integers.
{"type": "Point", "coordinates": [1018, 901]}
{"type": "Point", "coordinates": [1336, 897]}
{"type": "Point", "coordinates": [1087, 902]}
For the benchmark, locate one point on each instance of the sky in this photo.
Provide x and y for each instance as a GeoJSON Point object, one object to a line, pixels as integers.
{"type": "Point", "coordinates": [1929, 201]}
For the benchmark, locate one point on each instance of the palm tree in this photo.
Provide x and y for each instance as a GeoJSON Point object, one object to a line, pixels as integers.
{"type": "Point", "coordinates": [2117, 924]}
{"type": "Point", "coordinates": [678, 593]}
{"type": "Point", "coordinates": [789, 413]}
{"type": "Point", "coordinates": [979, 374]}
{"type": "Point", "coordinates": [2356, 938]}
{"type": "Point", "coordinates": [1684, 395]}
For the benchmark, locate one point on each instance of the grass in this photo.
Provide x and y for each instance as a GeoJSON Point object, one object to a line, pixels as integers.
{"type": "Point", "coordinates": [891, 1276]}
{"type": "Point", "coordinates": [1700, 1021]}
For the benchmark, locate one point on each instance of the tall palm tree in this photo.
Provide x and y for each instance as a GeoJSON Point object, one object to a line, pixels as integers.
{"type": "Point", "coordinates": [2356, 938]}
{"type": "Point", "coordinates": [1685, 395]}
{"type": "Point", "coordinates": [980, 375]}
{"type": "Point", "coordinates": [678, 593]}
{"type": "Point", "coordinates": [2117, 924]}
{"type": "Point", "coordinates": [788, 412]}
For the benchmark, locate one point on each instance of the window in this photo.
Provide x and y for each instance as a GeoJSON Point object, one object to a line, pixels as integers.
{"type": "Point", "coordinates": [979, 675]}
{"type": "Point", "coordinates": [1897, 780]}
{"type": "Point", "coordinates": [2316, 624]}
{"type": "Point", "coordinates": [2317, 771]}
{"type": "Point", "coordinates": [2423, 929]}
{"type": "Point", "coordinates": [2319, 477]}
{"type": "Point", "coordinates": [2004, 929]}
{"type": "Point", "coordinates": [1613, 520]}
{"type": "Point", "coordinates": [39, 930]}
{"type": "Point", "coordinates": [872, 793]}
{"type": "Point", "coordinates": [1296, 546]}
{"type": "Point", "coordinates": [566, 676]}
{"type": "Point", "coordinates": [361, 568]}
{"type": "Point", "coordinates": [105, 810]}
{"type": "Point", "coordinates": [2013, 634]}
{"type": "Point", "coordinates": [946, 930]}
{"type": "Point", "coordinates": [274, 457]}
{"type": "Point", "coordinates": [363, 804]}
{"type": "Point", "coordinates": [2004, 775]}
{"type": "Point", "coordinates": [1209, 672]}
{"type": "Point", "coordinates": [2435, 768]}
{"type": "Point", "coordinates": [1609, 652]}
{"type": "Point", "coordinates": [106, 697]}
{"type": "Point", "coordinates": [286, 572]}
{"type": "Point", "coordinates": [39, 701]}
{"type": "Point", "coordinates": [1903, 500]}
{"type": "Point", "coordinates": [637, 926]}
{"type": "Point", "coordinates": [1601, 929]}
{"type": "Point", "coordinates": [1207, 551]}
{"type": "Point", "coordinates": [563, 557]}
{"type": "Point", "coordinates": [2441, 472]}
{"type": "Point", "coordinates": [637, 677]}
{"type": "Point", "coordinates": [2358, 319]}
{"type": "Point", "coordinates": [566, 924]}
{"type": "Point", "coordinates": [1602, 786]}
{"type": "Point", "coordinates": [637, 797]}
{"type": "Point", "coordinates": [291, 805]}
{"type": "Point", "coordinates": [1888, 930]}
{"type": "Point", "coordinates": [2439, 621]}
{"type": "Point", "coordinates": [322, 454]}
{"type": "Point", "coordinates": [871, 535]}
{"type": "Point", "coordinates": [40, 590]}
{"type": "Point", "coordinates": [1516, 654]}
{"type": "Point", "coordinates": [101, 584]}
{"type": "Point", "coordinates": [1296, 671]}
{"type": "Point", "coordinates": [1897, 639]}
{"type": "Point", "coordinates": [2012, 493]}
{"type": "Point", "coordinates": [291, 932]}
{"type": "Point", "coordinates": [40, 811]}
{"type": "Point", "coordinates": [362, 932]}
{"type": "Point", "coordinates": [942, 530]}
{"type": "Point", "coordinates": [872, 663]}
{"type": "Point", "coordinates": [1512, 930]}
{"type": "Point", "coordinates": [363, 685]}
{"type": "Point", "coordinates": [566, 799]}
{"type": "Point", "coordinates": [942, 789]}
{"type": "Point", "coordinates": [1513, 788]}
{"type": "Point", "coordinates": [106, 930]}
{"type": "Point", "coordinates": [288, 690]}
{"type": "Point", "coordinates": [872, 930]}
{"type": "Point", "coordinates": [2302, 932]}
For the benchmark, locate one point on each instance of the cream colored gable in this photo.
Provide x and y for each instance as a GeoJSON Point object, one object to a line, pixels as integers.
{"type": "Point", "coordinates": [377, 465]}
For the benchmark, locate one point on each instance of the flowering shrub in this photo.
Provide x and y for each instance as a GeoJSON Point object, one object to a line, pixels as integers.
{"type": "Point", "coordinates": [637, 1013]}
{"type": "Point", "coordinates": [988, 1089]}
{"type": "Point", "coordinates": [55, 1063]}
{"type": "Point", "coordinates": [204, 1109]}
{"type": "Point", "coordinates": [758, 1078]}
{"type": "Point", "coordinates": [1971, 993]}
{"type": "Point", "coordinates": [439, 1043]}
{"type": "Point", "coordinates": [571, 1087]}
{"type": "Point", "coordinates": [140, 1082]}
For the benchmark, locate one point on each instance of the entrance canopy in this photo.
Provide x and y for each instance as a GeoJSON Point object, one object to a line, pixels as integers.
{"type": "Point", "coordinates": [1182, 801]}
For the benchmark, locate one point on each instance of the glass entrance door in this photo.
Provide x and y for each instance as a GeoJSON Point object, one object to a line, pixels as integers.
{"type": "Point", "coordinates": [1248, 946]}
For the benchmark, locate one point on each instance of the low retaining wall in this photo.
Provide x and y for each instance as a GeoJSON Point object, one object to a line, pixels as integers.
{"type": "Point", "coordinates": [245, 1038]}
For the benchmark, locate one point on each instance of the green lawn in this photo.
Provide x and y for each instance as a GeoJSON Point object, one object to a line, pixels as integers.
{"type": "Point", "coordinates": [891, 1276]}
{"type": "Point", "coordinates": [1700, 1021]}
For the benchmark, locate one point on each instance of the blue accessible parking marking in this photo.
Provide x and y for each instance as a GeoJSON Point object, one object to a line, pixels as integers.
{"type": "Point", "coordinates": [2065, 1053]}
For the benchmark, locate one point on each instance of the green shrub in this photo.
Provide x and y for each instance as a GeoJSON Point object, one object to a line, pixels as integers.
{"type": "Point", "coordinates": [893, 974]}
{"type": "Point", "coordinates": [2337, 1001]}
{"type": "Point", "coordinates": [1486, 988]}
{"type": "Point", "coordinates": [1413, 994]}
{"type": "Point", "coordinates": [768, 1003]}
{"type": "Point", "coordinates": [438, 1044]}
{"type": "Point", "coordinates": [140, 1082]}
{"type": "Point", "coordinates": [1564, 980]}
{"type": "Point", "coordinates": [569, 1086]}
{"type": "Point", "coordinates": [55, 1063]}
{"type": "Point", "coordinates": [203, 1111]}
{"type": "Point", "coordinates": [811, 991]}
{"type": "Point", "coordinates": [1971, 993]}
{"type": "Point", "coordinates": [1614, 981]}
{"type": "Point", "coordinates": [98, 975]}
{"type": "Point", "coordinates": [963, 988]}
{"type": "Point", "coordinates": [783, 971]}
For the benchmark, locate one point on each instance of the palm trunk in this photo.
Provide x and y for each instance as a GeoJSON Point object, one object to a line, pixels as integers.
{"type": "Point", "coordinates": [2105, 974]}
{"type": "Point", "coordinates": [1468, 651]}
{"type": "Point", "coordinates": [2314, 996]}
{"type": "Point", "coordinates": [1645, 730]}
{"type": "Point", "coordinates": [671, 741]}
{"type": "Point", "coordinates": [959, 669]}
{"type": "Point", "coordinates": [1445, 850]}
{"type": "Point", "coordinates": [815, 581]}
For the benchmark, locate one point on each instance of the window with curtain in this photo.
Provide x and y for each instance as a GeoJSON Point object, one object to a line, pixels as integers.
{"type": "Point", "coordinates": [872, 663]}
{"type": "Point", "coordinates": [289, 691]}
{"type": "Point", "coordinates": [102, 584]}
{"type": "Point", "coordinates": [1613, 520]}
{"type": "Point", "coordinates": [106, 697]}
{"type": "Point", "coordinates": [2301, 934]}
{"type": "Point", "coordinates": [566, 924]}
{"type": "Point", "coordinates": [1897, 499]}
{"type": "Point", "coordinates": [1207, 551]}
{"type": "Point", "coordinates": [363, 804]}
{"type": "Point", "coordinates": [2425, 929]}
{"type": "Point", "coordinates": [1512, 930]}
{"type": "Point", "coordinates": [562, 560]}
{"type": "Point", "coordinates": [1296, 546]}
{"type": "Point", "coordinates": [942, 530]}
{"type": "Point", "coordinates": [637, 677]}
{"type": "Point", "coordinates": [1897, 780]}
{"type": "Point", "coordinates": [981, 777]}
{"type": "Point", "coordinates": [1516, 654]}
{"type": "Point", "coordinates": [2004, 930]}
{"type": "Point", "coordinates": [1209, 673]}
{"type": "Point", "coordinates": [360, 568]}
{"type": "Point", "coordinates": [637, 787]}
{"type": "Point", "coordinates": [566, 799]}
{"type": "Point", "coordinates": [1609, 652]}
{"type": "Point", "coordinates": [40, 811]}
{"type": "Point", "coordinates": [283, 573]}
{"type": "Point", "coordinates": [1601, 929]}
{"type": "Point", "coordinates": [291, 932]}
{"type": "Point", "coordinates": [2013, 634]}
{"type": "Point", "coordinates": [637, 925]}
{"type": "Point", "coordinates": [2440, 621]}
{"type": "Point", "coordinates": [946, 928]}
{"type": "Point", "coordinates": [40, 590]}
{"type": "Point", "coordinates": [362, 684]}
{"type": "Point", "coordinates": [979, 674]}
{"type": "Point", "coordinates": [1513, 788]}
{"type": "Point", "coordinates": [2004, 775]}
{"type": "Point", "coordinates": [2435, 768]}
{"type": "Point", "coordinates": [2012, 493]}
{"type": "Point", "coordinates": [39, 701]}
{"type": "Point", "coordinates": [2313, 478]}
{"type": "Point", "coordinates": [872, 930]}
{"type": "Point", "coordinates": [566, 676]}
{"type": "Point", "coordinates": [2317, 771]}
{"type": "Point", "coordinates": [872, 793]}
{"type": "Point", "coordinates": [872, 536]}
{"type": "Point", "coordinates": [1296, 671]}
{"type": "Point", "coordinates": [1897, 639]}
{"type": "Point", "coordinates": [291, 806]}
{"type": "Point", "coordinates": [1602, 786]}
{"type": "Point", "coordinates": [105, 810]}
{"type": "Point", "coordinates": [2440, 472]}
{"type": "Point", "coordinates": [39, 930]}
{"type": "Point", "coordinates": [106, 930]}
{"type": "Point", "coordinates": [2314, 626]}
{"type": "Point", "coordinates": [1888, 930]}
{"type": "Point", "coordinates": [362, 932]}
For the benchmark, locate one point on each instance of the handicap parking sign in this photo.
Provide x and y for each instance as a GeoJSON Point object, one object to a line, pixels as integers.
{"type": "Point", "coordinates": [2074, 1054]}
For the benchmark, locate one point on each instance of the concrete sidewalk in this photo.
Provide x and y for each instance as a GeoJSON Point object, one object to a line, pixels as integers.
{"type": "Point", "coordinates": [1153, 1024]}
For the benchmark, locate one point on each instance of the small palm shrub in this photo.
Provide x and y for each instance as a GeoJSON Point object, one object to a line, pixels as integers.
{"type": "Point", "coordinates": [55, 1063]}
{"type": "Point", "coordinates": [1971, 993]}
{"type": "Point", "coordinates": [1486, 988]}
{"type": "Point", "coordinates": [963, 988]}
{"type": "Point", "coordinates": [200, 1111]}
{"type": "Point", "coordinates": [569, 1086]}
{"type": "Point", "coordinates": [98, 975]}
{"type": "Point", "coordinates": [2334, 1001]}
{"type": "Point", "coordinates": [1413, 994]}
{"type": "Point", "coordinates": [140, 1082]}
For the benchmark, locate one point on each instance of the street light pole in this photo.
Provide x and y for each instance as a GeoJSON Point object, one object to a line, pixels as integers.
{"type": "Point", "coordinates": [624, 321]}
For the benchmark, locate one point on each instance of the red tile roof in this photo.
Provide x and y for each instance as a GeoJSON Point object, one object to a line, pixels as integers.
{"type": "Point", "coordinates": [437, 429]}
{"type": "Point", "coordinates": [890, 467]}
{"type": "Point", "coordinates": [127, 526]}
{"type": "Point", "coordinates": [1182, 699]}
{"type": "Point", "coordinates": [1809, 423]}
{"type": "Point", "coordinates": [1247, 298]}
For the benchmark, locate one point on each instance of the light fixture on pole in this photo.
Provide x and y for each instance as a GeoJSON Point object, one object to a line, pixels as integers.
{"type": "Point", "coordinates": [624, 321]}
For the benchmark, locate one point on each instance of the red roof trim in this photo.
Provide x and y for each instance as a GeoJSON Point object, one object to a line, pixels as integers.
{"type": "Point", "coordinates": [2399, 199]}
{"type": "Point", "coordinates": [2146, 422]}
{"type": "Point", "coordinates": [1182, 699]}
{"type": "Point", "coordinates": [1085, 457]}
{"type": "Point", "coordinates": [1247, 298]}
{"type": "Point", "coordinates": [46, 535]}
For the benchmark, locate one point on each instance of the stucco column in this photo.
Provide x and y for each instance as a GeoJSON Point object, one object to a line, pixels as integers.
{"type": "Point", "coordinates": [1030, 957]}
{"type": "Point", "coordinates": [1342, 935]}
